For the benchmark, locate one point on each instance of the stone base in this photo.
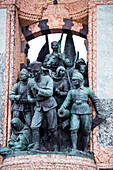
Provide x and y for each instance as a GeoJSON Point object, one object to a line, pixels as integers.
{"type": "Point", "coordinates": [61, 162]}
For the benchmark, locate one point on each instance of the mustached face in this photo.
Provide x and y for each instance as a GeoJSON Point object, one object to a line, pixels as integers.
{"type": "Point", "coordinates": [23, 76]}
{"type": "Point", "coordinates": [76, 82]}
{"type": "Point", "coordinates": [36, 73]}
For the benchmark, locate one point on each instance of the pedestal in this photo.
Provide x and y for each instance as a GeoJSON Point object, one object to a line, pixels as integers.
{"type": "Point", "coordinates": [61, 162]}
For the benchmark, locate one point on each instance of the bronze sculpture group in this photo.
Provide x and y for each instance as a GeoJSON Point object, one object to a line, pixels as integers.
{"type": "Point", "coordinates": [56, 95]}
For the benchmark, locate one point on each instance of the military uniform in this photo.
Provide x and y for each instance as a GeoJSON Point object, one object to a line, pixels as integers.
{"type": "Point", "coordinates": [20, 108]}
{"type": "Point", "coordinates": [80, 109]}
{"type": "Point", "coordinates": [45, 103]}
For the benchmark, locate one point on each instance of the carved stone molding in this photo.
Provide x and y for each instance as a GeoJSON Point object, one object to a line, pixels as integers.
{"type": "Point", "coordinates": [7, 2]}
{"type": "Point", "coordinates": [30, 10]}
{"type": "Point", "coordinates": [77, 9]}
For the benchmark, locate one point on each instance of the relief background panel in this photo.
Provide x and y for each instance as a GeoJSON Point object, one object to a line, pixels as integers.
{"type": "Point", "coordinates": [2, 66]}
{"type": "Point", "coordinates": [105, 71]}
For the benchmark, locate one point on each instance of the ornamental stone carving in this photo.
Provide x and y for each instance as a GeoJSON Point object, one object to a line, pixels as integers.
{"type": "Point", "coordinates": [35, 10]}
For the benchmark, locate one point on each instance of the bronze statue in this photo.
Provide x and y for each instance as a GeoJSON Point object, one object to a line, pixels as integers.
{"type": "Point", "coordinates": [52, 61]}
{"type": "Point", "coordinates": [83, 69]}
{"type": "Point", "coordinates": [80, 110]}
{"type": "Point", "coordinates": [40, 92]}
{"type": "Point", "coordinates": [20, 136]}
{"type": "Point", "coordinates": [61, 86]}
{"type": "Point", "coordinates": [20, 106]}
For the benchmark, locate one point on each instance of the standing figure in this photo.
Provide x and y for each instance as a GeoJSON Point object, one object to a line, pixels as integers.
{"type": "Point", "coordinates": [40, 92]}
{"type": "Point", "coordinates": [80, 110]}
{"type": "Point", "coordinates": [61, 86]}
{"type": "Point", "coordinates": [20, 106]}
{"type": "Point", "coordinates": [83, 69]}
{"type": "Point", "coordinates": [52, 61]}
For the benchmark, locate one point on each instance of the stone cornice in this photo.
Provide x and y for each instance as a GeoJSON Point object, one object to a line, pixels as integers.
{"type": "Point", "coordinates": [31, 11]}
{"type": "Point", "coordinates": [7, 2]}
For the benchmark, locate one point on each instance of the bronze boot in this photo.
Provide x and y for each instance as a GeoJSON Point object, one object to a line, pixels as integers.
{"type": "Point", "coordinates": [74, 142]}
{"type": "Point", "coordinates": [85, 143]}
{"type": "Point", "coordinates": [36, 137]}
{"type": "Point", "coordinates": [55, 144]}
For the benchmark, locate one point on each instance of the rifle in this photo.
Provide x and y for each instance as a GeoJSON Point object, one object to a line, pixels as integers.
{"type": "Point", "coordinates": [75, 61]}
{"type": "Point", "coordinates": [69, 80]}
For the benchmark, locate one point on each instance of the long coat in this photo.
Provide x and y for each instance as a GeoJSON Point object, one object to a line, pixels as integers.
{"type": "Point", "coordinates": [44, 96]}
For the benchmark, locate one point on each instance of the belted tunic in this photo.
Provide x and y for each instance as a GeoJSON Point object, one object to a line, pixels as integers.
{"type": "Point", "coordinates": [79, 100]}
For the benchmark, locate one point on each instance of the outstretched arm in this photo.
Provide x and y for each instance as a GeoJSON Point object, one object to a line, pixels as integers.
{"type": "Point", "coordinates": [67, 101]}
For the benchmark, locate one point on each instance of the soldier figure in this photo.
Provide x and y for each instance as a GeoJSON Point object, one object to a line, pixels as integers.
{"type": "Point", "coordinates": [20, 106]}
{"type": "Point", "coordinates": [52, 61]}
{"type": "Point", "coordinates": [40, 91]}
{"type": "Point", "coordinates": [80, 110]}
{"type": "Point", "coordinates": [83, 69]}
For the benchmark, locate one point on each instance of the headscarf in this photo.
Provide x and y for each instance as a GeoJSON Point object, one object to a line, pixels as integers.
{"type": "Point", "coordinates": [20, 129]}
{"type": "Point", "coordinates": [58, 69]}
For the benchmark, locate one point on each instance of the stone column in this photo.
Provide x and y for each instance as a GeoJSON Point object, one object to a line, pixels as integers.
{"type": "Point", "coordinates": [105, 71]}
{"type": "Point", "coordinates": [100, 43]}
{"type": "Point", "coordinates": [12, 65]}
{"type": "Point", "coordinates": [3, 13]}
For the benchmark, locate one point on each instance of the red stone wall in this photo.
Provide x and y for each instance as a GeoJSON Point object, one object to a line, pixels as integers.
{"type": "Point", "coordinates": [103, 155]}
{"type": "Point", "coordinates": [12, 61]}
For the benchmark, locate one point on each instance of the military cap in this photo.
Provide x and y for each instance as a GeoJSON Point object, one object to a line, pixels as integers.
{"type": "Point", "coordinates": [77, 75]}
{"type": "Point", "coordinates": [81, 61]}
{"type": "Point", "coordinates": [25, 72]}
{"type": "Point", "coordinates": [35, 65]}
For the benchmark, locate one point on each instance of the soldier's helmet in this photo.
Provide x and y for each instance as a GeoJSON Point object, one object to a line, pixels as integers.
{"type": "Point", "coordinates": [77, 75]}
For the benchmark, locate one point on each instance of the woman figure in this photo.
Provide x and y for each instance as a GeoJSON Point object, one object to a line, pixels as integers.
{"type": "Point", "coordinates": [20, 136]}
{"type": "Point", "coordinates": [61, 86]}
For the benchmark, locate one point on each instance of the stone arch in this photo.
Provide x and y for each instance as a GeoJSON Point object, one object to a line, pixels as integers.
{"type": "Point", "coordinates": [22, 13]}
{"type": "Point", "coordinates": [27, 20]}
{"type": "Point", "coordinates": [42, 28]}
